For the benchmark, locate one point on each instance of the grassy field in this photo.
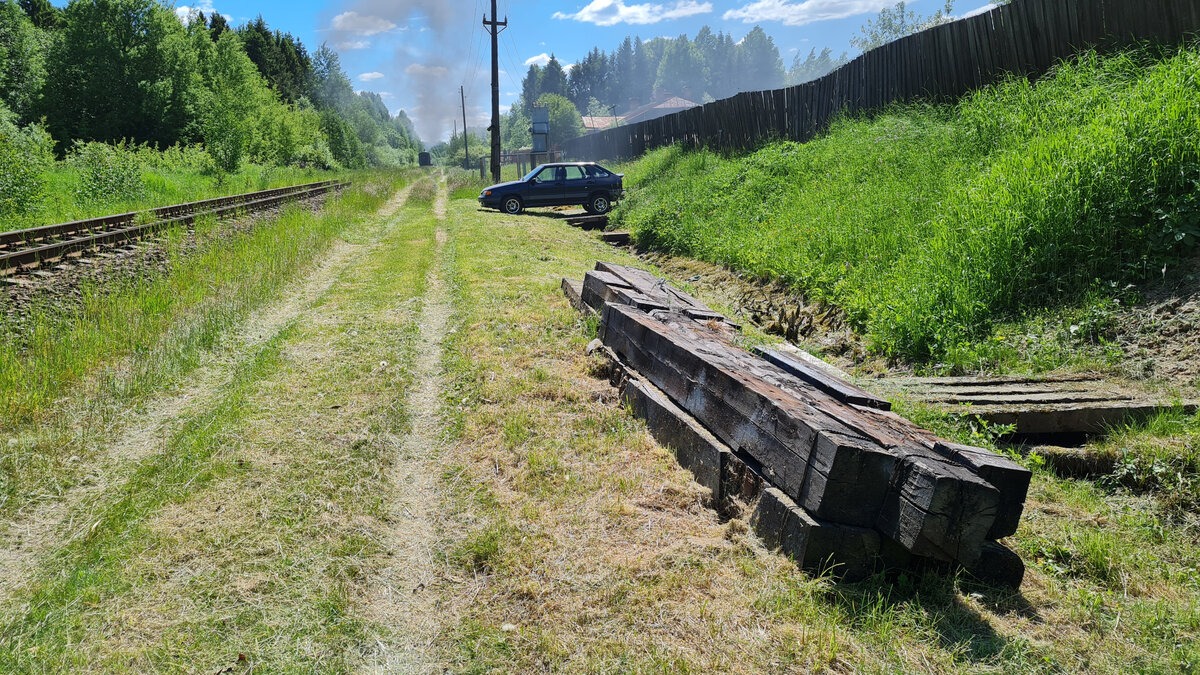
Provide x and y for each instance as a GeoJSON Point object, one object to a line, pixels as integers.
{"type": "Point", "coordinates": [129, 339]}
{"type": "Point", "coordinates": [241, 524]}
{"type": "Point", "coordinates": [589, 550]}
{"type": "Point", "coordinates": [935, 226]}
{"type": "Point", "coordinates": [249, 511]}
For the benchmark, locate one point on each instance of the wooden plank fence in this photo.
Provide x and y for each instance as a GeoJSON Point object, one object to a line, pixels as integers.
{"type": "Point", "coordinates": [1025, 38]}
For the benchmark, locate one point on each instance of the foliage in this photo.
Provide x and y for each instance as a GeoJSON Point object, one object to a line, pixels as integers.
{"type": "Point", "coordinates": [681, 69]}
{"type": "Point", "coordinates": [565, 121]}
{"type": "Point", "coordinates": [120, 69]}
{"type": "Point", "coordinates": [43, 14]}
{"type": "Point", "coordinates": [814, 66]}
{"type": "Point", "coordinates": [107, 173]}
{"type": "Point", "coordinates": [22, 60]}
{"type": "Point", "coordinates": [24, 156]}
{"type": "Point", "coordinates": [116, 70]}
{"type": "Point", "coordinates": [896, 22]}
{"type": "Point", "coordinates": [930, 225]}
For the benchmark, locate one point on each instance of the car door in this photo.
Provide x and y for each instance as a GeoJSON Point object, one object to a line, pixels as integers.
{"type": "Point", "coordinates": [546, 188]}
{"type": "Point", "coordinates": [577, 186]}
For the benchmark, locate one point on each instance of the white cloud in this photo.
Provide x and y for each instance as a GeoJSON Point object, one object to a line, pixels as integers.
{"type": "Point", "coordinates": [541, 59]}
{"type": "Point", "coordinates": [612, 12]}
{"type": "Point", "coordinates": [361, 24]}
{"type": "Point", "coordinates": [791, 13]}
{"type": "Point", "coordinates": [367, 77]}
{"type": "Point", "coordinates": [184, 12]}
{"type": "Point", "coordinates": [353, 44]}
{"type": "Point", "coordinates": [979, 10]}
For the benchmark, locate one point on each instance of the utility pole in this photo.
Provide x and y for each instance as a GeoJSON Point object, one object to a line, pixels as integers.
{"type": "Point", "coordinates": [494, 28]}
{"type": "Point", "coordinates": [466, 147]}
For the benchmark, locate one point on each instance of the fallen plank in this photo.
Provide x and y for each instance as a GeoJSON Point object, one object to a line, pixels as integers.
{"type": "Point", "coordinates": [588, 222]}
{"type": "Point", "coordinates": [1087, 418]}
{"type": "Point", "coordinates": [835, 387]}
{"type": "Point", "coordinates": [616, 238]}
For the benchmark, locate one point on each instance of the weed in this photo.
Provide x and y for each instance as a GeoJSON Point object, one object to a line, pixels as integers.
{"type": "Point", "coordinates": [108, 173]}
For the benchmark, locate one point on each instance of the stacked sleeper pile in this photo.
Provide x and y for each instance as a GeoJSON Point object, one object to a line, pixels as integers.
{"type": "Point", "coordinates": [836, 478]}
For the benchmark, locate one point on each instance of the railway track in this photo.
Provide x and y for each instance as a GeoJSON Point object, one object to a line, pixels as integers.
{"type": "Point", "coordinates": [33, 247]}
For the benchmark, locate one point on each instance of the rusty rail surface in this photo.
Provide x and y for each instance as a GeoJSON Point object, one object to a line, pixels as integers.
{"type": "Point", "coordinates": [23, 248]}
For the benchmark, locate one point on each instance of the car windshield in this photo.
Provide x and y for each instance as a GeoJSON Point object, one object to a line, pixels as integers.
{"type": "Point", "coordinates": [529, 176]}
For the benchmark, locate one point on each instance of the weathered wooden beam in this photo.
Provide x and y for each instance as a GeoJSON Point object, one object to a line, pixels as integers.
{"type": "Point", "coordinates": [835, 387]}
{"type": "Point", "coordinates": [674, 298]}
{"type": "Point", "coordinates": [882, 478]}
{"type": "Point", "coordinates": [1008, 477]}
{"type": "Point", "coordinates": [600, 288]}
{"type": "Point", "coordinates": [846, 551]}
{"type": "Point", "coordinates": [573, 290]}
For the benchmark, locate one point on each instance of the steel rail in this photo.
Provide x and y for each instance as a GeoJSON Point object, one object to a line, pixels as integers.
{"type": "Point", "coordinates": [25, 236]}
{"type": "Point", "coordinates": [122, 227]}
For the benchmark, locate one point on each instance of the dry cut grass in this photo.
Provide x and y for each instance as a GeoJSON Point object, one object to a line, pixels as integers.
{"type": "Point", "coordinates": [586, 549]}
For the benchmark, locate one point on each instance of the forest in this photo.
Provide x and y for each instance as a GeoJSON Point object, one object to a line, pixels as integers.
{"type": "Point", "coordinates": [106, 85]}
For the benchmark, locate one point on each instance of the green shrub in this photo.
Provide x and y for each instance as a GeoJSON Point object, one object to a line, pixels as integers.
{"type": "Point", "coordinates": [317, 156]}
{"type": "Point", "coordinates": [108, 173]}
{"type": "Point", "coordinates": [25, 154]}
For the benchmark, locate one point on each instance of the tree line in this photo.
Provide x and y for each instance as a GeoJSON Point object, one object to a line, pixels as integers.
{"type": "Point", "coordinates": [133, 71]}
{"type": "Point", "coordinates": [705, 68]}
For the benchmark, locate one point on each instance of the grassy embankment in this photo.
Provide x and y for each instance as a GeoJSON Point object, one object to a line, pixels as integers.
{"type": "Point", "coordinates": [943, 230]}
{"type": "Point", "coordinates": [128, 339]}
{"type": "Point", "coordinates": [584, 548]}
{"type": "Point", "coordinates": [74, 191]}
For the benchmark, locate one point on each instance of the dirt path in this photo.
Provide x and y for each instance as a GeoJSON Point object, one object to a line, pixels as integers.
{"type": "Point", "coordinates": [402, 596]}
{"type": "Point", "coordinates": [49, 525]}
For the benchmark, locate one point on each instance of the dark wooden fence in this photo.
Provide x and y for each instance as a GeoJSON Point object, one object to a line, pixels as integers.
{"type": "Point", "coordinates": [1026, 37]}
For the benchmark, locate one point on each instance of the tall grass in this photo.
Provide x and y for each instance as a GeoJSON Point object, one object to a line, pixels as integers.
{"type": "Point", "coordinates": [930, 224]}
{"type": "Point", "coordinates": [97, 179]}
{"type": "Point", "coordinates": [167, 321]}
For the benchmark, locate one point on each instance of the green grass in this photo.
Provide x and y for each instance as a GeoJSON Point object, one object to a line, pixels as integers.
{"type": "Point", "coordinates": [127, 340]}
{"type": "Point", "coordinates": [608, 564]}
{"type": "Point", "coordinates": [167, 178]}
{"type": "Point", "coordinates": [248, 537]}
{"type": "Point", "coordinates": [933, 225]}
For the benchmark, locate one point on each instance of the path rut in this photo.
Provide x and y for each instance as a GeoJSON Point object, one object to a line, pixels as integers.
{"type": "Point", "coordinates": [402, 596]}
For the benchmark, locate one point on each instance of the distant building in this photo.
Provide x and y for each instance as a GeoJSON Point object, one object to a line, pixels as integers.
{"type": "Point", "coordinates": [593, 124]}
{"type": "Point", "coordinates": [656, 110]}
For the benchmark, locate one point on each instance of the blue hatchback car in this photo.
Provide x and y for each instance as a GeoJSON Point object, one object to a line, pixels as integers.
{"type": "Point", "coordinates": [559, 184]}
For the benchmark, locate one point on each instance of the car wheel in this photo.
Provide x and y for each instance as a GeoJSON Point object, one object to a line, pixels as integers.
{"type": "Point", "coordinates": [600, 204]}
{"type": "Point", "coordinates": [513, 205]}
{"type": "Point", "coordinates": [588, 207]}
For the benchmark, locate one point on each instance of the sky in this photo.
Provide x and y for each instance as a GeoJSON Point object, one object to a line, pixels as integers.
{"type": "Point", "coordinates": [417, 53]}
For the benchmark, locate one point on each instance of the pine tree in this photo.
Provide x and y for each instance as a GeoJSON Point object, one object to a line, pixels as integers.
{"type": "Point", "coordinates": [554, 79]}
{"type": "Point", "coordinates": [43, 14]}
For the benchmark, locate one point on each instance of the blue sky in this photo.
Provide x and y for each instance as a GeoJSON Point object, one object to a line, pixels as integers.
{"type": "Point", "coordinates": [416, 53]}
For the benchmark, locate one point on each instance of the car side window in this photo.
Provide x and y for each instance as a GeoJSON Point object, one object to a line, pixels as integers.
{"type": "Point", "coordinates": [575, 173]}
{"type": "Point", "coordinates": [543, 176]}
{"type": "Point", "coordinates": [596, 172]}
